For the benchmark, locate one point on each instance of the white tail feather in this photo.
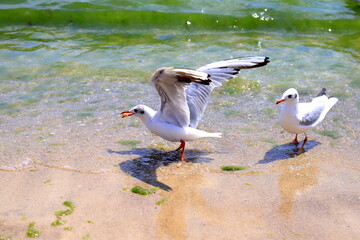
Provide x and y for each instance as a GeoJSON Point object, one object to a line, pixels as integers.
{"type": "Point", "coordinates": [215, 135]}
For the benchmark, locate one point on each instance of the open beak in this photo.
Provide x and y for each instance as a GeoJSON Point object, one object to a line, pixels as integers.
{"type": "Point", "coordinates": [126, 114]}
{"type": "Point", "coordinates": [281, 100]}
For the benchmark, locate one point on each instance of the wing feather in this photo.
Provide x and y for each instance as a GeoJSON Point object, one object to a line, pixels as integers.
{"type": "Point", "coordinates": [219, 72]}
{"type": "Point", "coordinates": [171, 84]}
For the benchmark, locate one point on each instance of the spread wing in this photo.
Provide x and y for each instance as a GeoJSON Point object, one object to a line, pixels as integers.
{"type": "Point", "coordinates": [171, 84]}
{"type": "Point", "coordinates": [198, 95]}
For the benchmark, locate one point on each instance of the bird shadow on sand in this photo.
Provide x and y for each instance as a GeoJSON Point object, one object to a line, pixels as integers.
{"type": "Point", "coordinates": [286, 151]}
{"type": "Point", "coordinates": [150, 159]}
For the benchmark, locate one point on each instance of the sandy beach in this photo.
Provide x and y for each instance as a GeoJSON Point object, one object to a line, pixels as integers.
{"type": "Point", "coordinates": [314, 195]}
{"type": "Point", "coordinates": [68, 161]}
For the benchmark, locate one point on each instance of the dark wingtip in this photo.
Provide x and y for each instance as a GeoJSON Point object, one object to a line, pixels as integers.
{"type": "Point", "coordinates": [322, 92]}
{"type": "Point", "coordinates": [260, 64]}
{"type": "Point", "coordinates": [203, 82]}
{"type": "Point", "coordinates": [266, 61]}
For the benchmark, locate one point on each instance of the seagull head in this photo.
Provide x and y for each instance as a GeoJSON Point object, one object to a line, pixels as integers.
{"type": "Point", "coordinates": [289, 96]}
{"type": "Point", "coordinates": [141, 111]}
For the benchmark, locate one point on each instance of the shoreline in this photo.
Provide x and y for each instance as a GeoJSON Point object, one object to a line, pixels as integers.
{"type": "Point", "coordinates": [283, 198]}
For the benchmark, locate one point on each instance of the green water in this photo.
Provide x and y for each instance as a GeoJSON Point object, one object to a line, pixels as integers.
{"type": "Point", "coordinates": [86, 60]}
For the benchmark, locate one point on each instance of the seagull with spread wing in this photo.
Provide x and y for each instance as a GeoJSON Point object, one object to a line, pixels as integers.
{"type": "Point", "coordinates": [298, 117]}
{"type": "Point", "coordinates": [184, 96]}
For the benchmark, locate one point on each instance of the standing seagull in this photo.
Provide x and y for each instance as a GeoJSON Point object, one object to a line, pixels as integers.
{"type": "Point", "coordinates": [184, 95]}
{"type": "Point", "coordinates": [298, 117]}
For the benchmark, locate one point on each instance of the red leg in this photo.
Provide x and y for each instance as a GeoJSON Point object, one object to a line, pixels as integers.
{"type": "Point", "coordinates": [295, 140]}
{"type": "Point", "coordinates": [182, 147]}
{"type": "Point", "coordinates": [182, 144]}
{"type": "Point", "coordinates": [301, 149]}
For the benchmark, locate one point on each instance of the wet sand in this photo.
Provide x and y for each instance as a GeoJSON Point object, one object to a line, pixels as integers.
{"type": "Point", "coordinates": [314, 195]}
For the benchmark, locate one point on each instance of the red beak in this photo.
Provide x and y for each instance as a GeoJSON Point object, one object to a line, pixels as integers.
{"type": "Point", "coordinates": [281, 100]}
{"type": "Point", "coordinates": [126, 114]}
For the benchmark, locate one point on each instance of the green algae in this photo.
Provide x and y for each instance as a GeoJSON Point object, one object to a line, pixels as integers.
{"type": "Point", "coordinates": [271, 141]}
{"type": "Point", "coordinates": [69, 204]}
{"type": "Point", "coordinates": [89, 221]}
{"type": "Point", "coordinates": [5, 238]}
{"type": "Point", "coordinates": [31, 232]}
{"type": "Point", "coordinates": [56, 144]}
{"type": "Point", "coordinates": [59, 214]}
{"type": "Point", "coordinates": [87, 236]}
{"type": "Point", "coordinates": [162, 201]}
{"type": "Point", "coordinates": [47, 181]}
{"type": "Point", "coordinates": [160, 145]}
{"type": "Point", "coordinates": [233, 168]}
{"type": "Point", "coordinates": [143, 191]}
{"type": "Point", "coordinates": [298, 235]}
{"type": "Point", "coordinates": [19, 130]}
{"type": "Point", "coordinates": [69, 211]}
{"type": "Point", "coordinates": [328, 133]}
{"type": "Point", "coordinates": [64, 212]}
{"type": "Point", "coordinates": [239, 85]}
{"type": "Point", "coordinates": [130, 143]}
{"type": "Point", "coordinates": [58, 222]}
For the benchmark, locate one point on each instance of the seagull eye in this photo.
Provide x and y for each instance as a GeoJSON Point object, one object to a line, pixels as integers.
{"type": "Point", "coordinates": [135, 110]}
{"type": "Point", "coordinates": [289, 96]}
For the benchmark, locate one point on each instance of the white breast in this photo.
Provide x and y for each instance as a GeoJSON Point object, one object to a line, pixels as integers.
{"type": "Point", "coordinates": [176, 133]}
{"type": "Point", "coordinates": [289, 119]}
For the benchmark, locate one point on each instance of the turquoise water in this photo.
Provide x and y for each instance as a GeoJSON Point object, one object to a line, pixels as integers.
{"type": "Point", "coordinates": [67, 63]}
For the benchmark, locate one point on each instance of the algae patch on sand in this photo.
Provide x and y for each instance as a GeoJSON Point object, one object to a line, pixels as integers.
{"type": "Point", "coordinates": [233, 168]}
{"type": "Point", "coordinates": [58, 222]}
{"type": "Point", "coordinates": [87, 236]}
{"type": "Point", "coordinates": [130, 143]}
{"type": "Point", "coordinates": [69, 211]}
{"type": "Point", "coordinates": [143, 191]}
{"type": "Point", "coordinates": [329, 133]}
{"type": "Point", "coordinates": [31, 232]}
{"type": "Point", "coordinates": [162, 201]}
{"type": "Point", "coordinates": [255, 172]}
